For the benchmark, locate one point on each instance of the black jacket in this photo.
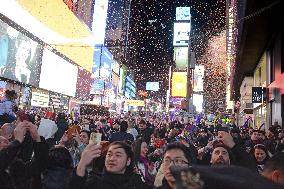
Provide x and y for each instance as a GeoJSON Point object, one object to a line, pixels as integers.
{"type": "Point", "coordinates": [56, 178]}
{"type": "Point", "coordinates": [108, 181]}
{"type": "Point", "coordinates": [17, 174]}
{"type": "Point", "coordinates": [145, 134]}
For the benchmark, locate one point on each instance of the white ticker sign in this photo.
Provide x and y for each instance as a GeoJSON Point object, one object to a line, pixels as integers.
{"type": "Point", "coordinates": [181, 34]}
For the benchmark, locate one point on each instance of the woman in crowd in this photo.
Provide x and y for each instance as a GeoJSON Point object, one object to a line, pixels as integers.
{"type": "Point", "coordinates": [143, 165]}
{"type": "Point", "coordinates": [261, 155]}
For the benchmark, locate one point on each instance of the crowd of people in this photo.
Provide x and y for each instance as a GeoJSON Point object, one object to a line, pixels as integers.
{"type": "Point", "coordinates": [55, 151]}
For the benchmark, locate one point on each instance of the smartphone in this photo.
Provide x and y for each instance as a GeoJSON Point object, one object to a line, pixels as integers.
{"type": "Point", "coordinates": [95, 138]}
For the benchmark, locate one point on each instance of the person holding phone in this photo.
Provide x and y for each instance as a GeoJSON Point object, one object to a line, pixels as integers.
{"type": "Point", "coordinates": [227, 152]}
{"type": "Point", "coordinates": [118, 169]}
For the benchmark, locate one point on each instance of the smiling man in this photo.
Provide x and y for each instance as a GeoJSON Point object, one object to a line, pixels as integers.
{"type": "Point", "coordinates": [118, 169]}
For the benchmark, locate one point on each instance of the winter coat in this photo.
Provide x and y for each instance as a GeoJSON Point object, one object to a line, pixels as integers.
{"type": "Point", "coordinates": [108, 181]}
{"type": "Point", "coordinates": [17, 174]}
{"type": "Point", "coordinates": [56, 178]}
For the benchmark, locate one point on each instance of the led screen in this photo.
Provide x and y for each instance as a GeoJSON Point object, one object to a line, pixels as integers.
{"type": "Point", "coordinates": [152, 86]}
{"type": "Point", "coordinates": [181, 34]}
{"type": "Point", "coordinates": [19, 56]}
{"type": "Point", "coordinates": [181, 58]}
{"type": "Point", "coordinates": [57, 74]}
{"type": "Point", "coordinates": [183, 13]}
{"type": "Point", "coordinates": [179, 84]}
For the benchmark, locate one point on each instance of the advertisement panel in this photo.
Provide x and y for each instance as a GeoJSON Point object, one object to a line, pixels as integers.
{"type": "Point", "coordinates": [181, 58]}
{"type": "Point", "coordinates": [179, 84]}
{"type": "Point", "coordinates": [198, 78]}
{"type": "Point", "coordinates": [183, 13]}
{"type": "Point", "coordinates": [257, 94]}
{"type": "Point", "coordinates": [58, 101]}
{"type": "Point", "coordinates": [106, 67]}
{"type": "Point", "coordinates": [41, 18]}
{"type": "Point", "coordinates": [134, 103]}
{"type": "Point", "coordinates": [96, 62]}
{"type": "Point", "coordinates": [25, 98]}
{"type": "Point", "coordinates": [122, 74]}
{"type": "Point", "coordinates": [98, 87]}
{"type": "Point", "coordinates": [83, 86]}
{"type": "Point", "coordinates": [57, 74]}
{"type": "Point", "coordinates": [152, 86]}
{"type": "Point", "coordinates": [40, 98]}
{"type": "Point", "coordinates": [181, 34]}
{"type": "Point", "coordinates": [99, 21]}
{"type": "Point", "coordinates": [19, 56]}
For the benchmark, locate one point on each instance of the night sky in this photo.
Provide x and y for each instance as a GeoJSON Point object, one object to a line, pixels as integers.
{"type": "Point", "coordinates": [151, 35]}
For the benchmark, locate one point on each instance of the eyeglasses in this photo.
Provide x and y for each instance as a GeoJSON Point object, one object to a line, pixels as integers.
{"type": "Point", "coordinates": [176, 161]}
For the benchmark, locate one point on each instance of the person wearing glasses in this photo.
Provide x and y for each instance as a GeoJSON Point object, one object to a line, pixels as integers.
{"type": "Point", "coordinates": [175, 154]}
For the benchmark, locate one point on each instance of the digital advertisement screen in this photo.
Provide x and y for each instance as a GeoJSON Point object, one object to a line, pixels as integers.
{"type": "Point", "coordinates": [122, 78]}
{"type": "Point", "coordinates": [152, 86]}
{"type": "Point", "coordinates": [179, 84]}
{"type": "Point", "coordinates": [181, 58]}
{"type": "Point", "coordinates": [106, 67]}
{"type": "Point", "coordinates": [98, 87]}
{"type": "Point", "coordinates": [181, 34]}
{"type": "Point", "coordinates": [40, 98]}
{"type": "Point", "coordinates": [183, 13]}
{"type": "Point", "coordinates": [198, 78]}
{"type": "Point", "coordinates": [99, 20]}
{"type": "Point", "coordinates": [96, 62]}
{"type": "Point", "coordinates": [57, 74]}
{"type": "Point", "coordinates": [19, 56]}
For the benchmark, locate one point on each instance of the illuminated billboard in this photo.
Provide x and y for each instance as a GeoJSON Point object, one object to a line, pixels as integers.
{"type": "Point", "coordinates": [181, 58]}
{"type": "Point", "coordinates": [198, 78]}
{"type": "Point", "coordinates": [183, 13]}
{"type": "Point", "coordinates": [40, 98]}
{"type": "Point", "coordinates": [181, 34]}
{"type": "Point", "coordinates": [179, 84]}
{"type": "Point", "coordinates": [55, 24]}
{"type": "Point", "coordinates": [152, 86]}
{"type": "Point", "coordinates": [19, 56]}
{"type": "Point", "coordinates": [99, 21]}
{"type": "Point", "coordinates": [122, 75]}
{"type": "Point", "coordinates": [57, 74]}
